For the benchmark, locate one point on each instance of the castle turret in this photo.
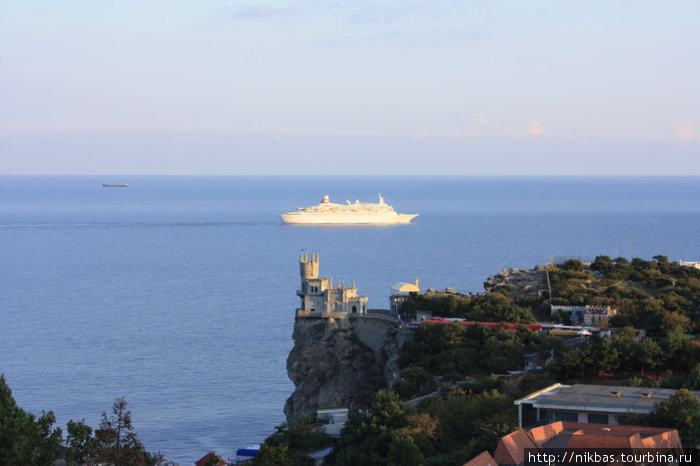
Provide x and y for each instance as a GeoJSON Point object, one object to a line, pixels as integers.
{"type": "Point", "coordinates": [318, 295]}
{"type": "Point", "coordinates": [308, 268]}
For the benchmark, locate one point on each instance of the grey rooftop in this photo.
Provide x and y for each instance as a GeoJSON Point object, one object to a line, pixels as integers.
{"type": "Point", "coordinates": [604, 398]}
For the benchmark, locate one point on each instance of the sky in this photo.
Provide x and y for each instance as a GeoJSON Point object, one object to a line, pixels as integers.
{"type": "Point", "coordinates": [300, 87]}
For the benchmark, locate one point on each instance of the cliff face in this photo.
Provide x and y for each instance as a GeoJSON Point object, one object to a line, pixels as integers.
{"type": "Point", "coordinates": [340, 362]}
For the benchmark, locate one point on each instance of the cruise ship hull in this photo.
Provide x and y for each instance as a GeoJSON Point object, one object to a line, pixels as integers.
{"type": "Point", "coordinates": [307, 218]}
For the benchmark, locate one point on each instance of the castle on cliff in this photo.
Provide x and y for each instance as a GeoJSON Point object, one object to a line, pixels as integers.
{"type": "Point", "coordinates": [319, 296]}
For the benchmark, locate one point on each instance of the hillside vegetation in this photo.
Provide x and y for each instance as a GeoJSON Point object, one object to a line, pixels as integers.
{"type": "Point", "coordinates": [471, 408]}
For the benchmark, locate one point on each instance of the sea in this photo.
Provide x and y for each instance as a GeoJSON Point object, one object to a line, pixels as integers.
{"type": "Point", "coordinates": [178, 293]}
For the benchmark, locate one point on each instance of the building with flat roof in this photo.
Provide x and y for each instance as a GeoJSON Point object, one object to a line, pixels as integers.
{"type": "Point", "coordinates": [600, 404]}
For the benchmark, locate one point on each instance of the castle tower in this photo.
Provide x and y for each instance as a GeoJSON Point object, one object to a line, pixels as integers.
{"type": "Point", "coordinates": [308, 268]}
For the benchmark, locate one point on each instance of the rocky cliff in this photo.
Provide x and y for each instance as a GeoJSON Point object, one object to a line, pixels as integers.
{"type": "Point", "coordinates": [518, 282]}
{"type": "Point", "coordinates": [341, 362]}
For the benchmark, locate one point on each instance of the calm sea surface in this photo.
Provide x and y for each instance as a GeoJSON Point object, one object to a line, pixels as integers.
{"type": "Point", "coordinates": [178, 293]}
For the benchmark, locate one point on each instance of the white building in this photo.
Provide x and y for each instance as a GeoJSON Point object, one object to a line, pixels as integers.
{"type": "Point", "coordinates": [594, 404]}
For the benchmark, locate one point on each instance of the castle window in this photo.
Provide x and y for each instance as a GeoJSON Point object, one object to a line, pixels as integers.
{"type": "Point", "coordinates": [354, 309]}
{"type": "Point", "coordinates": [313, 310]}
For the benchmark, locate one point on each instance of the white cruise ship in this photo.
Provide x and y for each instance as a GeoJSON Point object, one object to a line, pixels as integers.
{"type": "Point", "coordinates": [359, 213]}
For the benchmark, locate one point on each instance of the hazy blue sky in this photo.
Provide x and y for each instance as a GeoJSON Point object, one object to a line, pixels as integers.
{"type": "Point", "coordinates": [350, 87]}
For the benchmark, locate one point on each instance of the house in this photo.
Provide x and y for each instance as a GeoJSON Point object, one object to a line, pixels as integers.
{"type": "Point", "coordinates": [588, 315]}
{"type": "Point", "coordinates": [208, 457]}
{"type": "Point", "coordinates": [407, 290]}
{"type": "Point", "coordinates": [556, 438]}
{"type": "Point", "coordinates": [599, 404]}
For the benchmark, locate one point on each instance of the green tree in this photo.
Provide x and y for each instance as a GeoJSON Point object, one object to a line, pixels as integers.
{"type": "Point", "coordinates": [367, 438]}
{"type": "Point", "coordinates": [299, 438]}
{"type": "Point", "coordinates": [422, 430]}
{"type": "Point", "coordinates": [117, 443]}
{"type": "Point", "coordinates": [602, 264]}
{"type": "Point", "coordinates": [650, 355]}
{"type": "Point", "coordinates": [403, 452]}
{"type": "Point", "coordinates": [574, 265]}
{"type": "Point", "coordinates": [562, 317]}
{"type": "Point", "coordinates": [81, 444]}
{"type": "Point", "coordinates": [272, 455]}
{"type": "Point", "coordinates": [674, 321]}
{"type": "Point", "coordinates": [483, 418]}
{"type": "Point", "coordinates": [626, 347]}
{"type": "Point", "coordinates": [25, 439]}
{"type": "Point", "coordinates": [679, 412]}
{"type": "Point", "coordinates": [600, 355]}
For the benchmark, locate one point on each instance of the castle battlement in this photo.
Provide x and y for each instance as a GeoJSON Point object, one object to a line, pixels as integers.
{"type": "Point", "coordinates": [319, 298]}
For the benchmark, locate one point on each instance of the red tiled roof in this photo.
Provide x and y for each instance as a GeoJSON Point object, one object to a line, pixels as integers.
{"type": "Point", "coordinates": [580, 440]}
{"type": "Point", "coordinates": [511, 448]}
{"type": "Point", "coordinates": [484, 459]}
{"type": "Point", "coordinates": [204, 459]}
{"type": "Point", "coordinates": [620, 436]}
{"type": "Point", "coordinates": [543, 433]}
{"type": "Point", "coordinates": [668, 439]}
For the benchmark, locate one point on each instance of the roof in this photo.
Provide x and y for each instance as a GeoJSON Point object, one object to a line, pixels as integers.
{"type": "Point", "coordinates": [403, 287]}
{"type": "Point", "coordinates": [248, 452]}
{"type": "Point", "coordinates": [601, 398]}
{"type": "Point", "coordinates": [583, 435]}
{"type": "Point", "coordinates": [322, 453]}
{"type": "Point", "coordinates": [543, 433]}
{"type": "Point", "coordinates": [483, 459]}
{"type": "Point", "coordinates": [204, 459]}
{"type": "Point", "coordinates": [511, 448]}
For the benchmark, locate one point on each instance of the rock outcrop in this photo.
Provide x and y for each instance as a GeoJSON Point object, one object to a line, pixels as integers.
{"type": "Point", "coordinates": [341, 362]}
{"type": "Point", "coordinates": [518, 282]}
